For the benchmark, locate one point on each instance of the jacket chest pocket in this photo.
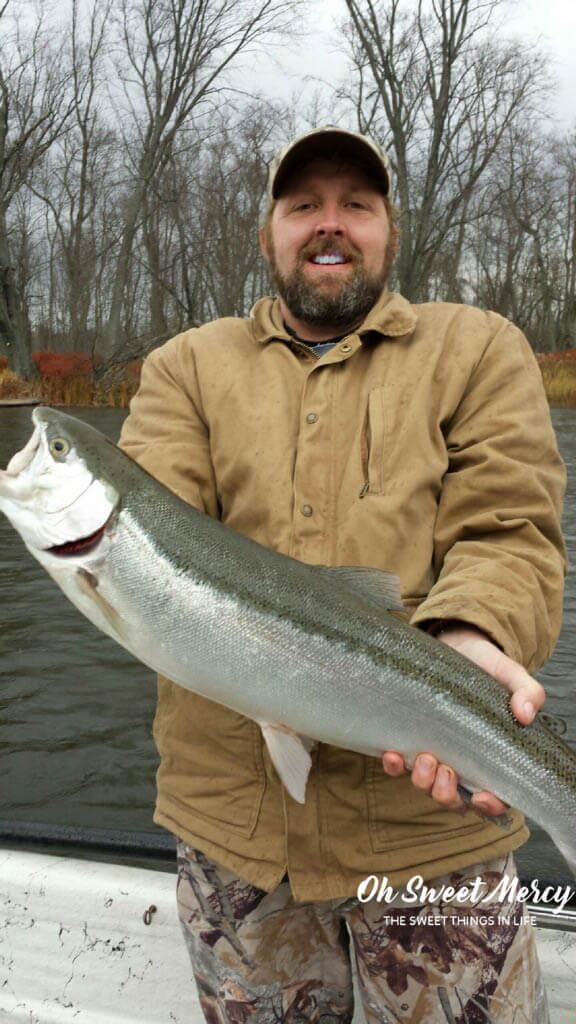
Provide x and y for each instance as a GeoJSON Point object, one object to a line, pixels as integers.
{"type": "Point", "coordinates": [378, 440]}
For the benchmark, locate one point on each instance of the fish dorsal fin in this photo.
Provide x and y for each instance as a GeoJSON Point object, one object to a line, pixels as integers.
{"type": "Point", "coordinates": [289, 757]}
{"type": "Point", "coordinates": [374, 585]}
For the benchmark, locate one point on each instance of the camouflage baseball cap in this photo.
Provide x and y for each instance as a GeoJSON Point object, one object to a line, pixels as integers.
{"type": "Point", "coordinates": [329, 143]}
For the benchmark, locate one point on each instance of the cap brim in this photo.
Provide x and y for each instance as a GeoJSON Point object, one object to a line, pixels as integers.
{"type": "Point", "coordinates": [333, 146]}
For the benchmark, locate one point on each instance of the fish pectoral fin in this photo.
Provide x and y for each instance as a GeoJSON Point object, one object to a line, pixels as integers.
{"type": "Point", "coordinates": [289, 757]}
{"type": "Point", "coordinates": [88, 584]}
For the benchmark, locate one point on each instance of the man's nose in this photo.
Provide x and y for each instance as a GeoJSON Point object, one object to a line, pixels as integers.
{"type": "Point", "coordinates": [329, 221]}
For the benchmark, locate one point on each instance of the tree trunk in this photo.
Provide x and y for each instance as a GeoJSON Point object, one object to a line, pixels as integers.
{"type": "Point", "coordinates": [15, 336]}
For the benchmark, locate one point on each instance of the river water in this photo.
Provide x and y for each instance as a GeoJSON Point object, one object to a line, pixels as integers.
{"type": "Point", "coordinates": [76, 710]}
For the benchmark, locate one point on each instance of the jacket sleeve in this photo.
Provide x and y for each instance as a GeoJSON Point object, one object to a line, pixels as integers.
{"type": "Point", "coordinates": [498, 547]}
{"type": "Point", "coordinates": [165, 431]}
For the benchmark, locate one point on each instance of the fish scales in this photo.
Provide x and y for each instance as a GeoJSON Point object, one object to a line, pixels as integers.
{"type": "Point", "coordinates": [287, 643]}
{"type": "Point", "coordinates": [287, 660]}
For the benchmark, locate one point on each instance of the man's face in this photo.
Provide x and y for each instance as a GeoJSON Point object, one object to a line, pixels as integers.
{"type": "Point", "coordinates": [328, 245]}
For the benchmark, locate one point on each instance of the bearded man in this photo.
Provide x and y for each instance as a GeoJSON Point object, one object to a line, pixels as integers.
{"type": "Point", "coordinates": [342, 425]}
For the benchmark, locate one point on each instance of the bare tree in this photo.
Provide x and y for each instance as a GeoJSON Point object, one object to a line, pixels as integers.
{"type": "Point", "coordinates": [197, 256]}
{"type": "Point", "coordinates": [523, 243]}
{"type": "Point", "coordinates": [76, 173]}
{"type": "Point", "coordinates": [440, 93]}
{"type": "Point", "coordinates": [33, 113]}
{"type": "Point", "coordinates": [231, 189]}
{"type": "Point", "coordinates": [564, 154]}
{"type": "Point", "coordinates": [175, 57]}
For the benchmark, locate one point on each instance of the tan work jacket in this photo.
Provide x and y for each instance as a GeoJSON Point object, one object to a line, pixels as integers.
{"type": "Point", "coordinates": [420, 444]}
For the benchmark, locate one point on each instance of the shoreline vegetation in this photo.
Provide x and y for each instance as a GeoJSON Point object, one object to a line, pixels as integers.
{"type": "Point", "coordinates": [71, 379]}
{"type": "Point", "coordinates": [559, 375]}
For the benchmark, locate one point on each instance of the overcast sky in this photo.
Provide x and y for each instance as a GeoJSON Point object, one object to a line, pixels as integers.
{"type": "Point", "coordinates": [551, 24]}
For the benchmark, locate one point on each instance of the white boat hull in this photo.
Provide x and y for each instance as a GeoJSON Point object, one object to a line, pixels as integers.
{"type": "Point", "coordinates": [74, 946]}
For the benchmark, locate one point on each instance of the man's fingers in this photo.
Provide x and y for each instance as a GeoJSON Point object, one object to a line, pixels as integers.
{"type": "Point", "coordinates": [445, 789]}
{"type": "Point", "coordinates": [525, 704]}
{"type": "Point", "coordinates": [441, 782]}
{"type": "Point", "coordinates": [424, 771]}
{"type": "Point", "coordinates": [527, 697]}
{"type": "Point", "coordinates": [527, 694]}
{"type": "Point", "coordinates": [393, 763]}
{"type": "Point", "coordinates": [489, 804]}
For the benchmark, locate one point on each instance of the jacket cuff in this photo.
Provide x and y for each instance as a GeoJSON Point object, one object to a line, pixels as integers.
{"type": "Point", "coordinates": [436, 626]}
{"type": "Point", "coordinates": [436, 614]}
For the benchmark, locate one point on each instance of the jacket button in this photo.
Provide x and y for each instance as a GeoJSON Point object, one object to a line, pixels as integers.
{"type": "Point", "coordinates": [307, 510]}
{"type": "Point", "coordinates": [312, 417]}
{"type": "Point", "coordinates": [346, 347]}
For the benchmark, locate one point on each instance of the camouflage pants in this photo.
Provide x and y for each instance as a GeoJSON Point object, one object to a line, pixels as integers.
{"type": "Point", "coordinates": [262, 958]}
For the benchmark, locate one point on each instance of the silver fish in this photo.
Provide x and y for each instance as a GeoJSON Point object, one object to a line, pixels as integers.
{"type": "Point", "coordinates": [305, 651]}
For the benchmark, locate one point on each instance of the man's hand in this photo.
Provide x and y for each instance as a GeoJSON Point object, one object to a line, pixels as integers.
{"type": "Point", "coordinates": [528, 696]}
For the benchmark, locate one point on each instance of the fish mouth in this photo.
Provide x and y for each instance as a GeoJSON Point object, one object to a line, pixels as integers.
{"type": "Point", "coordinates": [21, 460]}
{"type": "Point", "coordinates": [11, 483]}
{"type": "Point", "coordinates": [82, 545]}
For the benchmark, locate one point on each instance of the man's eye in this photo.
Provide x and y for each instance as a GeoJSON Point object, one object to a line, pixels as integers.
{"type": "Point", "coordinates": [303, 206]}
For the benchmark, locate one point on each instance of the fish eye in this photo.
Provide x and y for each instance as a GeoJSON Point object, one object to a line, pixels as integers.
{"type": "Point", "coordinates": [59, 447]}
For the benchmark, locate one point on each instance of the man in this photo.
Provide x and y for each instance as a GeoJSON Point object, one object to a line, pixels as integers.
{"type": "Point", "coordinates": [342, 425]}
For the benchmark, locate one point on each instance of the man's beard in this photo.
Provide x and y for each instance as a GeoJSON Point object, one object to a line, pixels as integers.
{"type": "Point", "coordinates": [339, 307]}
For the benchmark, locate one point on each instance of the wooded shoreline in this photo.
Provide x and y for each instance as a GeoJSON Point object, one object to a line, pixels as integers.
{"type": "Point", "coordinates": [70, 379]}
{"type": "Point", "coordinates": [135, 144]}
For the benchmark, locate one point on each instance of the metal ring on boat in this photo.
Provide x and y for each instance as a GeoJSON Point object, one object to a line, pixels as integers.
{"type": "Point", "coordinates": [147, 916]}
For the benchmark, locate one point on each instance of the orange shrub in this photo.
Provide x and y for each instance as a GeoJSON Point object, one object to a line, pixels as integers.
{"type": "Point", "coordinates": [63, 364]}
{"type": "Point", "coordinates": [67, 378]}
{"type": "Point", "coordinates": [566, 354]}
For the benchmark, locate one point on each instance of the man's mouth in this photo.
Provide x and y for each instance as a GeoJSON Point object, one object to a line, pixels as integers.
{"type": "Point", "coordinates": [329, 259]}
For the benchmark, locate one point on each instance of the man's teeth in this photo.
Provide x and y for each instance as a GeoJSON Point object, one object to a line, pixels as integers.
{"type": "Point", "coordinates": [328, 259]}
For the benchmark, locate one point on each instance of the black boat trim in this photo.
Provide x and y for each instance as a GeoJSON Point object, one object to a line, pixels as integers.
{"type": "Point", "coordinates": [155, 848]}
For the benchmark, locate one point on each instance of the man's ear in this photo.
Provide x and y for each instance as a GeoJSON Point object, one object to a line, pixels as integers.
{"type": "Point", "coordinates": [263, 244]}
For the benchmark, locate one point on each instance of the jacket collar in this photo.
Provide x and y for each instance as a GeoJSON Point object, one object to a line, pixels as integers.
{"type": "Point", "coordinates": [391, 317]}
